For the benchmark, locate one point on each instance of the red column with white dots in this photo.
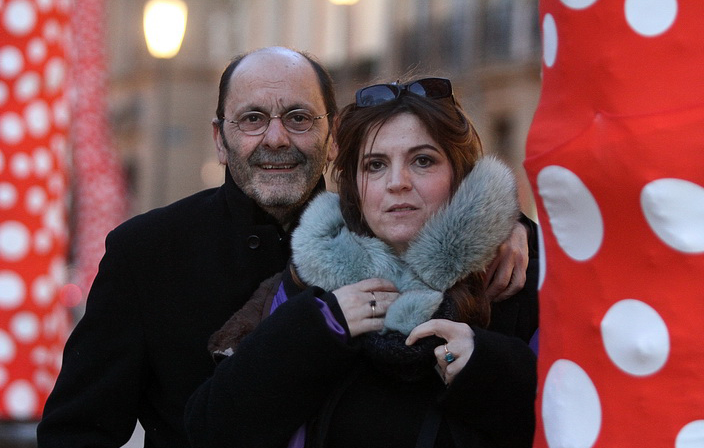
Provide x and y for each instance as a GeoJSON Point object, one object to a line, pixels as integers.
{"type": "Point", "coordinates": [34, 137]}
{"type": "Point", "coordinates": [615, 156]}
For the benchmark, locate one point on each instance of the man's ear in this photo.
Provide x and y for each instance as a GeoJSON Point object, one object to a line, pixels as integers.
{"type": "Point", "coordinates": [219, 146]}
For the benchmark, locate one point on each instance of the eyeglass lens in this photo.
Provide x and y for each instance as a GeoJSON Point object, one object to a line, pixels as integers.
{"type": "Point", "coordinates": [296, 121]}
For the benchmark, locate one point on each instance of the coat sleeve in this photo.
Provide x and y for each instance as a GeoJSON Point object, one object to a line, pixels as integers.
{"type": "Point", "coordinates": [275, 381]}
{"type": "Point", "coordinates": [494, 394]}
{"type": "Point", "coordinates": [95, 400]}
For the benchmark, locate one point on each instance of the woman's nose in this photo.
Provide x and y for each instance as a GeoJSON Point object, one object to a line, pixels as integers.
{"type": "Point", "coordinates": [399, 179]}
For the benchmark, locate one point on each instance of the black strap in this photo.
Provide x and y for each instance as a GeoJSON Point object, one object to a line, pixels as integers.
{"type": "Point", "coordinates": [430, 428]}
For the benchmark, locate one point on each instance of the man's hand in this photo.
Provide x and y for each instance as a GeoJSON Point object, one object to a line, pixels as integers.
{"type": "Point", "coordinates": [506, 275]}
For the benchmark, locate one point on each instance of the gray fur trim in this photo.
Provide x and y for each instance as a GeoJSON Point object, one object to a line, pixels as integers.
{"type": "Point", "coordinates": [459, 239]}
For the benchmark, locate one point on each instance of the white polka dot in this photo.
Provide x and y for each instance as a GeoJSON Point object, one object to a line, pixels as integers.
{"type": "Point", "coordinates": [635, 337]}
{"type": "Point", "coordinates": [574, 214]}
{"type": "Point", "coordinates": [7, 348]}
{"type": "Point", "coordinates": [691, 436]}
{"type": "Point", "coordinates": [53, 218]}
{"type": "Point", "coordinates": [36, 50]}
{"type": "Point", "coordinates": [14, 240]}
{"type": "Point", "coordinates": [40, 355]}
{"type": "Point", "coordinates": [20, 17]}
{"type": "Point", "coordinates": [42, 241]}
{"type": "Point", "coordinates": [57, 270]}
{"type": "Point", "coordinates": [21, 165]}
{"type": "Point", "coordinates": [52, 30]}
{"type": "Point", "coordinates": [55, 184]}
{"type": "Point", "coordinates": [571, 407]}
{"type": "Point", "coordinates": [674, 209]}
{"type": "Point", "coordinates": [11, 62]}
{"type": "Point", "coordinates": [11, 128]}
{"type": "Point", "coordinates": [62, 113]}
{"type": "Point", "coordinates": [54, 73]}
{"type": "Point", "coordinates": [8, 195]}
{"type": "Point", "coordinates": [542, 262]}
{"type": "Point", "coordinates": [12, 290]}
{"type": "Point", "coordinates": [25, 327]}
{"type": "Point", "coordinates": [43, 162]}
{"type": "Point", "coordinates": [20, 400]}
{"type": "Point", "coordinates": [651, 17]}
{"type": "Point", "coordinates": [37, 116]}
{"type": "Point", "coordinates": [549, 40]}
{"type": "Point", "coordinates": [45, 5]}
{"type": "Point", "coordinates": [578, 4]}
{"type": "Point", "coordinates": [43, 380]}
{"type": "Point", "coordinates": [43, 289]}
{"type": "Point", "coordinates": [35, 200]}
{"type": "Point", "coordinates": [27, 86]}
{"type": "Point", "coordinates": [4, 93]}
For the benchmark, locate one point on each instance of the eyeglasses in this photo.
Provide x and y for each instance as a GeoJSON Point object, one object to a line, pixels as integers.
{"type": "Point", "coordinates": [296, 121]}
{"type": "Point", "coordinates": [435, 88]}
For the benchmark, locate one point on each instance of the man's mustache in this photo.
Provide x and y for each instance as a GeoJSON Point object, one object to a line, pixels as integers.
{"type": "Point", "coordinates": [263, 156]}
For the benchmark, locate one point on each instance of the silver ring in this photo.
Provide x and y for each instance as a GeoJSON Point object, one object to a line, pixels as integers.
{"type": "Point", "coordinates": [449, 357]}
{"type": "Point", "coordinates": [372, 303]}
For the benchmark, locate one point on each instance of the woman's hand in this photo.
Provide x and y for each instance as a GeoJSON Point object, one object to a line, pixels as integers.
{"type": "Point", "coordinates": [364, 304]}
{"type": "Point", "coordinates": [453, 356]}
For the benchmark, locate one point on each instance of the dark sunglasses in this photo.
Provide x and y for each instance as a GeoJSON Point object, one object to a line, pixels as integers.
{"type": "Point", "coordinates": [435, 88]}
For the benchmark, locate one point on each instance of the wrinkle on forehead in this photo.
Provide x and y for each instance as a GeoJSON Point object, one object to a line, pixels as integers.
{"type": "Point", "coordinates": [275, 78]}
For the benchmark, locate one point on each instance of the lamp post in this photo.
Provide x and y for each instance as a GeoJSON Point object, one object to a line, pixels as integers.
{"type": "Point", "coordinates": [164, 28]}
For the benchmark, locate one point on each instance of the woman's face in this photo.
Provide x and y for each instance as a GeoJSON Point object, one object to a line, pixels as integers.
{"type": "Point", "coordinates": [403, 177]}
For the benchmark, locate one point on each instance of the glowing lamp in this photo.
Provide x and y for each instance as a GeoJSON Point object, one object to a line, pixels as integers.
{"type": "Point", "coordinates": [164, 26]}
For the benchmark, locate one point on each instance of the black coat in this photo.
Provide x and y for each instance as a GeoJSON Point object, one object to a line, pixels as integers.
{"type": "Point", "coordinates": [293, 370]}
{"type": "Point", "coordinates": [168, 280]}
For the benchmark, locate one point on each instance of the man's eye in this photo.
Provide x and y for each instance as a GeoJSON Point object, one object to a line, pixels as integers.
{"type": "Point", "coordinates": [298, 117]}
{"type": "Point", "coordinates": [252, 118]}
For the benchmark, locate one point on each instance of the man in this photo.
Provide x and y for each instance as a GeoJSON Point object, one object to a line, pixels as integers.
{"type": "Point", "coordinates": [171, 277]}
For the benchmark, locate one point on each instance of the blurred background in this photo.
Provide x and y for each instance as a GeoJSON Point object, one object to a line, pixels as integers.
{"type": "Point", "coordinates": [129, 128]}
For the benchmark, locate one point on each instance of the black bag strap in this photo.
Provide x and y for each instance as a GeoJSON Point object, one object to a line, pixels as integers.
{"type": "Point", "coordinates": [430, 428]}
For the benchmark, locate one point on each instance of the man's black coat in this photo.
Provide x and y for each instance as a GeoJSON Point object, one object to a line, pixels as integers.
{"type": "Point", "coordinates": [168, 280]}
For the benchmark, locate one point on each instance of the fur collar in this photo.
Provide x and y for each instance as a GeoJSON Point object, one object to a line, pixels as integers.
{"type": "Point", "coordinates": [459, 239]}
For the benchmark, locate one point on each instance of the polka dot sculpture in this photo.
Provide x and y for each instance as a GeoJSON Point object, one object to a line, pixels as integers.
{"type": "Point", "coordinates": [34, 121]}
{"type": "Point", "coordinates": [615, 156]}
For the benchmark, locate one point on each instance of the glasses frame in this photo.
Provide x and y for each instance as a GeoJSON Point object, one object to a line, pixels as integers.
{"type": "Point", "coordinates": [397, 89]}
{"type": "Point", "coordinates": [281, 117]}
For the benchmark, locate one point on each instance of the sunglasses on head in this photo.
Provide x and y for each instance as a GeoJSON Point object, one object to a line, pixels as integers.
{"type": "Point", "coordinates": [434, 88]}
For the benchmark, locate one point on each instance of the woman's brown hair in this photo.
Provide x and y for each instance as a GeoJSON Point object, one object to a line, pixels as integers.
{"type": "Point", "coordinates": [447, 123]}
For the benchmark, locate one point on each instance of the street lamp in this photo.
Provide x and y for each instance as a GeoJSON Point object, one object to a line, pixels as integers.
{"type": "Point", "coordinates": [164, 26]}
{"type": "Point", "coordinates": [343, 2]}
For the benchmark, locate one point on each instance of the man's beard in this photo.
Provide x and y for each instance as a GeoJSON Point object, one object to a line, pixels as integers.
{"type": "Point", "coordinates": [284, 191]}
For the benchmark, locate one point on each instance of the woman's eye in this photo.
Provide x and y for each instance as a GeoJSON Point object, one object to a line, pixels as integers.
{"type": "Point", "coordinates": [374, 165]}
{"type": "Point", "coordinates": [424, 161]}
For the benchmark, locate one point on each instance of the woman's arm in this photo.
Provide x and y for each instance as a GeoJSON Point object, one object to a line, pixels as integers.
{"type": "Point", "coordinates": [275, 381]}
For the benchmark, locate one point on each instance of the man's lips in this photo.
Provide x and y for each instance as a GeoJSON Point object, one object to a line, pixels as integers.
{"type": "Point", "coordinates": [266, 166]}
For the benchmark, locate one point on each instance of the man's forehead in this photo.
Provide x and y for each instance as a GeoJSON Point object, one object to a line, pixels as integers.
{"type": "Point", "coordinates": [281, 77]}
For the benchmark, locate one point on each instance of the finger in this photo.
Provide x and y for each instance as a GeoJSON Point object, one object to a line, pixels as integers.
{"type": "Point", "coordinates": [500, 279]}
{"type": "Point", "coordinates": [433, 327]}
{"type": "Point", "coordinates": [376, 284]}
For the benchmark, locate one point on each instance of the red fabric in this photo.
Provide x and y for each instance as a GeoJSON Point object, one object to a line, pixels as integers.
{"type": "Point", "coordinates": [615, 156]}
{"type": "Point", "coordinates": [34, 119]}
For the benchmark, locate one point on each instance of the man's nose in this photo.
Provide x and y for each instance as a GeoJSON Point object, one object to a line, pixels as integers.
{"type": "Point", "coordinates": [276, 136]}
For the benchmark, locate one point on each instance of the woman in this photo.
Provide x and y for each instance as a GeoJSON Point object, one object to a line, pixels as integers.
{"type": "Point", "coordinates": [389, 348]}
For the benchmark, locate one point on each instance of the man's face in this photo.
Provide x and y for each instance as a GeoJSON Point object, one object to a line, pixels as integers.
{"type": "Point", "coordinates": [278, 169]}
